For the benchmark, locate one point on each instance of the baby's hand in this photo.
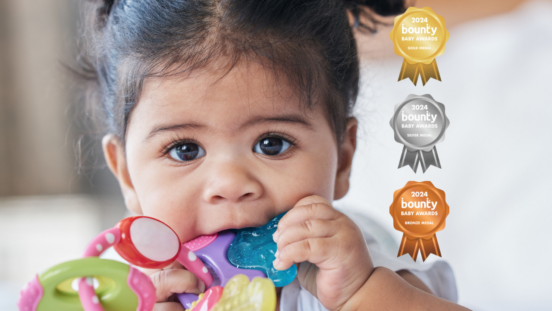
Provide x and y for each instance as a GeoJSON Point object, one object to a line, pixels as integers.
{"type": "Point", "coordinates": [170, 280]}
{"type": "Point", "coordinates": [334, 258]}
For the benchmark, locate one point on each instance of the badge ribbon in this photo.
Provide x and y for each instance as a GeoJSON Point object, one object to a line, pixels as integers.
{"type": "Point", "coordinates": [419, 35]}
{"type": "Point", "coordinates": [419, 124]}
{"type": "Point", "coordinates": [419, 210]}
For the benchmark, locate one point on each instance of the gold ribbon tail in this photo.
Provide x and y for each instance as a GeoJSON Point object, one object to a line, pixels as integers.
{"type": "Point", "coordinates": [409, 246]}
{"type": "Point", "coordinates": [409, 71]}
{"type": "Point", "coordinates": [413, 71]}
{"type": "Point", "coordinates": [429, 246]}
{"type": "Point", "coordinates": [429, 71]}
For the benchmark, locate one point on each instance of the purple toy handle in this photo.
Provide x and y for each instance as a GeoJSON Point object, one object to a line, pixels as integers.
{"type": "Point", "coordinates": [214, 258]}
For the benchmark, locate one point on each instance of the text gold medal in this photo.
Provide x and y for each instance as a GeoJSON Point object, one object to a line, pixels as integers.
{"type": "Point", "coordinates": [419, 35]}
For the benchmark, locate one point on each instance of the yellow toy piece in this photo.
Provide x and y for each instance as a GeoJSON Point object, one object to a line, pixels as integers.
{"type": "Point", "coordinates": [196, 302]}
{"type": "Point", "coordinates": [240, 295]}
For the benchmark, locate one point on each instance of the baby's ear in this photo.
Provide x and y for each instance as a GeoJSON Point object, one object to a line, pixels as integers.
{"type": "Point", "coordinates": [115, 157]}
{"type": "Point", "coordinates": [345, 159]}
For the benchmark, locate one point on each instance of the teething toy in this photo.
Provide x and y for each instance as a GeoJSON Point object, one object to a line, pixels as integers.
{"type": "Point", "coordinates": [228, 259]}
{"type": "Point", "coordinates": [207, 300]}
{"type": "Point", "coordinates": [142, 241]}
{"type": "Point", "coordinates": [254, 248]}
{"type": "Point", "coordinates": [148, 243]}
{"type": "Point", "coordinates": [248, 251]}
{"type": "Point", "coordinates": [214, 257]}
{"type": "Point", "coordinates": [121, 287]}
{"type": "Point", "coordinates": [145, 242]}
{"type": "Point", "coordinates": [240, 295]}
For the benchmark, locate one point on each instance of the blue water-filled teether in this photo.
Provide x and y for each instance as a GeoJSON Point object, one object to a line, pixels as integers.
{"type": "Point", "coordinates": [254, 248]}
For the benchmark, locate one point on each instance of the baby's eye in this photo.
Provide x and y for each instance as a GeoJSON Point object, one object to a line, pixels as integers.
{"type": "Point", "coordinates": [271, 146]}
{"type": "Point", "coordinates": [187, 152]}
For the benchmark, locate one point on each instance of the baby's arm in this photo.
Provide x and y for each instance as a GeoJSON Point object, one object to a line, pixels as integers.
{"type": "Point", "coordinates": [336, 267]}
{"type": "Point", "coordinates": [386, 290]}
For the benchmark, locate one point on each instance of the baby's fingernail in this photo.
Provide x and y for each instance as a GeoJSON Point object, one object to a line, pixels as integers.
{"type": "Point", "coordinates": [276, 254]}
{"type": "Point", "coordinates": [276, 262]}
{"type": "Point", "coordinates": [275, 237]}
{"type": "Point", "coordinates": [201, 286]}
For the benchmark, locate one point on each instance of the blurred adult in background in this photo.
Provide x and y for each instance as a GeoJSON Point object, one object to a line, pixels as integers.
{"type": "Point", "coordinates": [496, 172]}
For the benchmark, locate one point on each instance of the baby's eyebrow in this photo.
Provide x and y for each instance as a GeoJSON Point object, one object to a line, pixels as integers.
{"type": "Point", "coordinates": [164, 128]}
{"type": "Point", "coordinates": [290, 118]}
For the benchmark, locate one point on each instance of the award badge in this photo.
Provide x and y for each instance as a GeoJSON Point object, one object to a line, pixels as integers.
{"type": "Point", "coordinates": [419, 210]}
{"type": "Point", "coordinates": [419, 36]}
{"type": "Point", "coordinates": [419, 124]}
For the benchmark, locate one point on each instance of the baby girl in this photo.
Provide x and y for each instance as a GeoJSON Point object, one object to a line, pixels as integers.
{"type": "Point", "coordinates": [222, 114]}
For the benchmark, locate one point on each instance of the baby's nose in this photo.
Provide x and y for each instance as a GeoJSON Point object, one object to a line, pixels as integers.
{"type": "Point", "coordinates": [231, 182]}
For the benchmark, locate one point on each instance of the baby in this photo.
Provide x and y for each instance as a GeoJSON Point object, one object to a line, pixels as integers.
{"type": "Point", "coordinates": [222, 114]}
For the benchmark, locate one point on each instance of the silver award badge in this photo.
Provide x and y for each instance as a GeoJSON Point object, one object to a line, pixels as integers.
{"type": "Point", "coordinates": [419, 123]}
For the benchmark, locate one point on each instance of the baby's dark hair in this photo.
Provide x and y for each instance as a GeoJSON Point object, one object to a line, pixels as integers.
{"type": "Point", "coordinates": [309, 42]}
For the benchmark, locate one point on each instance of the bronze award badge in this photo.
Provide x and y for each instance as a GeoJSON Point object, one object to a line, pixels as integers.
{"type": "Point", "coordinates": [419, 123]}
{"type": "Point", "coordinates": [419, 35]}
{"type": "Point", "coordinates": [419, 210]}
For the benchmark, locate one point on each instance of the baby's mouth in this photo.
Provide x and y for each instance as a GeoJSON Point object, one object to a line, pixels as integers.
{"type": "Point", "coordinates": [204, 240]}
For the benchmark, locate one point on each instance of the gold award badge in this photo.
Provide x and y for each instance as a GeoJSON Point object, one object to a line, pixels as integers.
{"type": "Point", "coordinates": [419, 35]}
{"type": "Point", "coordinates": [419, 210]}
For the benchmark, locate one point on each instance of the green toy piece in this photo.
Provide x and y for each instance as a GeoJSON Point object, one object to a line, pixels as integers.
{"type": "Point", "coordinates": [113, 291]}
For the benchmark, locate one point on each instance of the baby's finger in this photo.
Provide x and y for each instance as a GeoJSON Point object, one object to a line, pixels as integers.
{"type": "Point", "coordinates": [168, 282]}
{"type": "Point", "coordinates": [312, 228]}
{"type": "Point", "coordinates": [174, 265]}
{"type": "Point", "coordinates": [168, 306]}
{"type": "Point", "coordinates": [315, 250]}
{"type": "Point", "coordinates": [301, 213]}
{"type": "Point", "coordinates": [312, 199]}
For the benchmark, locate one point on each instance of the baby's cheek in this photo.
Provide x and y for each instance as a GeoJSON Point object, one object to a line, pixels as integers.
{"type": "Point", "coordinates": [171, 207]}
{"type": "Point", "coordinates": [314, 175]}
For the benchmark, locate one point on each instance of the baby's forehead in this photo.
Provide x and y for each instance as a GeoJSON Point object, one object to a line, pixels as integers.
{"type": "Point", "coordinates": [249, 80]}
{"type": "Point", "coordinates": [250, 84]}
{"type": "Point", "coordinates": [221, 98]}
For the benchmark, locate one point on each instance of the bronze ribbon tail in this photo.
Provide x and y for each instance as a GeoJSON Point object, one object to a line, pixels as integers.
{"type": "Point", "coordinates": [424, 246]}
{"type": "Point", "coordinates": [413, 71]}
{"type": "Point", "coordinates": [413, 158]}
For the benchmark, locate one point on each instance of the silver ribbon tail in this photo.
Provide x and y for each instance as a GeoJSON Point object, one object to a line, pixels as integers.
{"type": "Point", "coordinates": [425, 158]}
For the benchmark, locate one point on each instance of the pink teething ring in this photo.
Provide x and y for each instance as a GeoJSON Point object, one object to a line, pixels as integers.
{"type": "Point", "coordinates": [30, 295]}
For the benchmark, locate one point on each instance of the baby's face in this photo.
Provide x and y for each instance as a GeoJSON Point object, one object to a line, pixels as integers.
{"type": "Point", "coordinates": [206, 157]}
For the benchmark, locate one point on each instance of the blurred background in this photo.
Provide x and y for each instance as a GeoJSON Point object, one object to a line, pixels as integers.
{"type": "Point", "coordinates": [50, 208]}
{"type": "Point", "coordinates": [496, 168]}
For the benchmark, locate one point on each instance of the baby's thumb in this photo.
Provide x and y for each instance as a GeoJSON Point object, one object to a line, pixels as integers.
{"type": "Point", "coordinates": [171, 281]}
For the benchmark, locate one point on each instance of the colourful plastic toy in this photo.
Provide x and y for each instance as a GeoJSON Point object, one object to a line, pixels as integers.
{"type": "Point", "coordinates": [240, 295]}
{"type": "Point", "coordinates": [254, 248]}
{"type": "Point", "coordinates": [214, 257]}
{"type": "Point", "coordinates": [247, 251]}
{"type": "Point", "coordinates": [121, 287]}
{"type": "Point", "coordinates": [149, 243]}
{"type": "Point", "coordinates": [142, 241]}
{"type": "Point", "coordinates": [207, 300]}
